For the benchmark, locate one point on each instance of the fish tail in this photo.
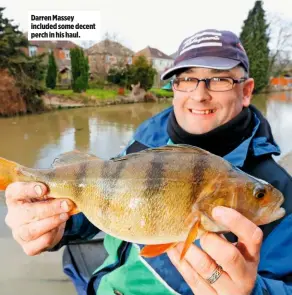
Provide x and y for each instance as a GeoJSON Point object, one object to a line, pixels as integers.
{"type": "Point", "coordinates": [8, 173]}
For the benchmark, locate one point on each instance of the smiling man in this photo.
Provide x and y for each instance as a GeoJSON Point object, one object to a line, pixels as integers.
{"type": "Point", "coordinates": [211, 109]}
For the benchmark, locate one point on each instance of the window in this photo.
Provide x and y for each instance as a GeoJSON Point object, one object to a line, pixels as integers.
{"type": "Point", "coordinates": [129, 60]}
{"type": "Point", "coordinates": [32, 51]}
{"type": "Point", "coordinates": [67, 53]}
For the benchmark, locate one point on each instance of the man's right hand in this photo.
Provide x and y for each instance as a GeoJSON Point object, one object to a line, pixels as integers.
{"type": "Point", "coordinates": [37, 222]}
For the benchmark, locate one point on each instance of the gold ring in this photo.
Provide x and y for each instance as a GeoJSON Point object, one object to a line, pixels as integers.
{"type": "Point", "coordinates": [215, 275]}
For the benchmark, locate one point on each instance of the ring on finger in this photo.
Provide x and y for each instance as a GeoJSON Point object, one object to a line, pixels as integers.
{"type": "Point", "coordinates": [215, 275]}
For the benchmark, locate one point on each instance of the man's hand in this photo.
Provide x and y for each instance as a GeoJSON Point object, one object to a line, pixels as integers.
{"type": "Point", "coordinates": [239, 262]}
{"type": "Point", "coordinates": [37, 222]}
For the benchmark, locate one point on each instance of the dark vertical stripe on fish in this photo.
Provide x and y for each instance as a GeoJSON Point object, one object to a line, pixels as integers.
{"type": "Point", "coordinates": [110, 174]}
{"type": "Point", "coordinates": [80, 176]}
{"type": "Point", "coordinates": [154, 175]}
{"type": "Point", "coordinates": [153, 188]}
{"type": "Point", "coordinates": [199, 166]}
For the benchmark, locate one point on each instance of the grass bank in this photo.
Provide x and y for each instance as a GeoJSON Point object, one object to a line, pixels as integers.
{"type": "Point", "coordinates": [101, 94]}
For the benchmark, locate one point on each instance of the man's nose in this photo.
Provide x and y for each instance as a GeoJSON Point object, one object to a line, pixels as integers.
{"type": "Point", "coordinates": [201, 93]}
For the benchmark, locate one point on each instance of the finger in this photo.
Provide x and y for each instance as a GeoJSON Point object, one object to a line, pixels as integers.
{"type": "Point", "coordinates": [229, 257]}
{"type": "Point", "coordinates": [205, 266]}
{"type": "Point", "coordinates": [193, 279]}
{"type": "Point", "coordinates": [24, 191]}
{"type": "Point", "coordinates": [34, 230]}
{"type": "Point", "coordinates": [247, 232]}
{"type": "Point", "coordinates": [58, 236]}
{"type": "Point", "coordinates": [30, 212]}
{"type": "Point", "coordinates": [41, 244]}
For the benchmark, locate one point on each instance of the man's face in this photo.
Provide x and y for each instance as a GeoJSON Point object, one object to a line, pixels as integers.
{"type": "Point", "coordinates": [192, 108]}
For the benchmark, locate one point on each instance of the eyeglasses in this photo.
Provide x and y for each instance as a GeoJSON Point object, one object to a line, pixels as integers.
{"type": "Point", "coordinates": [189, 84]}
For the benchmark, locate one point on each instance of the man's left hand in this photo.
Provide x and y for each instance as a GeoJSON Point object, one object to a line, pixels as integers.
{"type": "Point", "coordinates": [239, 262]}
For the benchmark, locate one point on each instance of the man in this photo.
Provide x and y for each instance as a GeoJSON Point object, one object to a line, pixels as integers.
{"type": "Point", "coordinates": [211, 109]}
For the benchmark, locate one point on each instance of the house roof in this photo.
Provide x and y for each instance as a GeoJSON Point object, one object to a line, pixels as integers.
{"type": "Point", "coordinates": [174, 55]}
{"type": "Point", "coordinates": [109, 47]}
{"type": "Point", "coordinates": [52, 44]}
{"type": "Point", "coordinates": [153, 53]}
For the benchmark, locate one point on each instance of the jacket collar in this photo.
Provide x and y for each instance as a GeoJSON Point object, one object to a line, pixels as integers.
{"type": "Point", "coordinates": [153, 133]}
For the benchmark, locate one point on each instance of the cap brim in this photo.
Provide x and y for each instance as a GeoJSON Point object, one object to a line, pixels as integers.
{"type": "Point", "coordinates": [211, 62]}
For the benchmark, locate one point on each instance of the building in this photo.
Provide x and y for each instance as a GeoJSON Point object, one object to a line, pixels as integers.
{"type": "Point", "coordinates": [106, 54]}
{"type": "Point", "coordinates": [61, 51]}
{"type": "Point", "coordinates": [159, 60]}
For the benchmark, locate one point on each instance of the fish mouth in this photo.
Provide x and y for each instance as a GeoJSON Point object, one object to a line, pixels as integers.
{"type": "Point", "coordinates": [278, 211]}
{"type": "Point", "coordinates": [272, 215]}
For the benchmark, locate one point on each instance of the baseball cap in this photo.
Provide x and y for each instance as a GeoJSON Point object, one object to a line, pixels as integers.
{"type": "Point", "coordinates": [210, 48]}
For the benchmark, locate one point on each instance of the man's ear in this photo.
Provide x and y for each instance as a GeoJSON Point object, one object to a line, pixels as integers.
{"type": "Point", "coordinates": [248, 88]}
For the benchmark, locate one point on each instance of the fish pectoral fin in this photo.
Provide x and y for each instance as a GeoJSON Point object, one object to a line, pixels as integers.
{"type": "Point", "coordinates": [73, 157]}
{"type": "Point", "coordinates": [191, 238]}
{"type": "Point", "coordinates": [155, 250]}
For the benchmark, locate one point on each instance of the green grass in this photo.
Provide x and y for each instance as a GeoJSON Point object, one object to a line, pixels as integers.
{"type": "Point", "coordinates": [97, 93]}
{"type": "Point", "coordinates": [161, 92]}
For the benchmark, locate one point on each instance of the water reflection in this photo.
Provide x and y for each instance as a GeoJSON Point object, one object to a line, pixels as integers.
{"type": "Point", "coordinates": [279, 114]}
{"type": "Point", "coordinates": [36, 140]}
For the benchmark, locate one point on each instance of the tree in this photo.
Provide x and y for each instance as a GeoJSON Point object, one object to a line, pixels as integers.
{"type": "Point", "coordinates": [281, 43]}
{"type": "Point", "coordinates": [51, 72]}
{"type": "Point", "coordinates": [28, 72]}
{"type": "Point", "coordinates": [254, 37]}
{"type": "Point", "coordinates": [143, 72]}
{"type": "Point", "coordinates": [139, 72]}
{"type": "Point", "coordinates": [80, 70]}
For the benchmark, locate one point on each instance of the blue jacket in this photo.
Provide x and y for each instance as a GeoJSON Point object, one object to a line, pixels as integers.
{"type": "Point", "coordinates": [254, 156]}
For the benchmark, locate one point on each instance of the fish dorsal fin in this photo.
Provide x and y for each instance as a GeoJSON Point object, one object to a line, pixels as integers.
{"type": "Point", "coordinates": [73, 157]}
{"type": "Point", "coordinates": [183, 148]}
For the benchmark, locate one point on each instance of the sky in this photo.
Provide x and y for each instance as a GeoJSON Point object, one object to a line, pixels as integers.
{"type": "Point", "coordinates": [161, 24]}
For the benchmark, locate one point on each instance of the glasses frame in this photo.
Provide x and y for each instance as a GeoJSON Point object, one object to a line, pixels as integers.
{"type": "Point", "coordinates": [207, 82]}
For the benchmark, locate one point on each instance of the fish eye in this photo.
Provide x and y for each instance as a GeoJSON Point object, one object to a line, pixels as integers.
{"type": "Point", "coordinates": [259, 193]}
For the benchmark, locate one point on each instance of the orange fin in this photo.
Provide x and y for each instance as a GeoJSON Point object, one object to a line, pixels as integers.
{"type": "Point", "coordinates": [191, 237]}
{"type": "Point", "coordinates": [8, 173]}
{"type": "Point", "coordinates": [155, 250]}
{"type": "Point", "coordinates": [74, 211]}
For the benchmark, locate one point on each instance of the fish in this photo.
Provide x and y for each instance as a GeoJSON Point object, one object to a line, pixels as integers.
{"type": "Point", "coordinates": [157, 197]}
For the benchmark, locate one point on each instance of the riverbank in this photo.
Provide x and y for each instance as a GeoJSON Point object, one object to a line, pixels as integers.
{"type": "Point", "coordinates": [66, 99]}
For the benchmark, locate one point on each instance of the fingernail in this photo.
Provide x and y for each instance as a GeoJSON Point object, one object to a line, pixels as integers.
{"type": "Point", "coordinates": [38, 190]}
{"type": "Point", "coordinates": [65, 206]}
{"type": "Point", "coordinates": [64, 216]}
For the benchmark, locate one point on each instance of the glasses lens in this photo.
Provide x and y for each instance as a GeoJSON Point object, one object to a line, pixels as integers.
{"type": "Point", "coordinates": [188, 84]}
{"type": "Point", "coordinates": [221, 84]}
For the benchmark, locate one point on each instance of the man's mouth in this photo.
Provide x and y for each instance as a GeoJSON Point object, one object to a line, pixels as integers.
{"type": "Point", "coordinates": [202, 112]}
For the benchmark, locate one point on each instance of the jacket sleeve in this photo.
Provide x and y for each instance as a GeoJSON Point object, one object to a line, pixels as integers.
{"type": "Point", "coordinates": [275, 268]}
